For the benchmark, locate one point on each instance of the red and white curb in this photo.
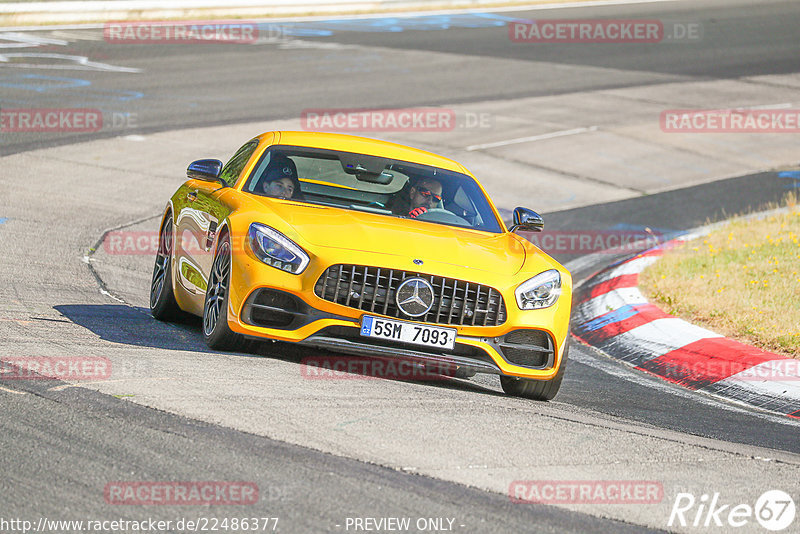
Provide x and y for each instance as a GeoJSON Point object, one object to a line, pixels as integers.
{"type": "Point", "coordinates": [616, 318]}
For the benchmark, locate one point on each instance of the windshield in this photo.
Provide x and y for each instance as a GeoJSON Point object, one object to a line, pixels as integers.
{"type": "Point", "coordinates": [372, 184]}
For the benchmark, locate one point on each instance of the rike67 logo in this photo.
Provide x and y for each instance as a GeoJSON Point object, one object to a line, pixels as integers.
{"type": "Point", "coordinates": [774, 510]}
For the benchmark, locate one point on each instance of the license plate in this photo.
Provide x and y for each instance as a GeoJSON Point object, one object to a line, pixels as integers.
{"type": "Point", "coordinates": [414, 333]}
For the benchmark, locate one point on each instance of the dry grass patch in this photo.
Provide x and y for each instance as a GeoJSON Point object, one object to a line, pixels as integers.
{"type": "Point", "coordinates": [742, 280]}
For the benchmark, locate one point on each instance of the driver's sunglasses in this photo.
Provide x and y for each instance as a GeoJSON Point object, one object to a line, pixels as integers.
{"type": "Point", "coordinates": [428, 193]}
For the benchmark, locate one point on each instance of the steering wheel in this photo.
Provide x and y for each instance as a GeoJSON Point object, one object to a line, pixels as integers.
{"type": "Point", "coordinates": [442, 215]}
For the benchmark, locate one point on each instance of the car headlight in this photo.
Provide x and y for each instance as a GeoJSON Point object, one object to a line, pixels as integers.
{"type": "Point", "coordinates": [276, 250]}
{"type": "Point", "coordinates": [541, 291]}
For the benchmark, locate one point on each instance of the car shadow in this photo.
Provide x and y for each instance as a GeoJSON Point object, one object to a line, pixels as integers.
{"type": "Point", "coordinates": [319, 364]}
{"type": "Point", "coordinates": [133, 325]}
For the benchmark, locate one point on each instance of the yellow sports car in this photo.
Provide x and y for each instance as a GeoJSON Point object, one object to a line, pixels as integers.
{"type": "Point", "coordinates": [363, 247]}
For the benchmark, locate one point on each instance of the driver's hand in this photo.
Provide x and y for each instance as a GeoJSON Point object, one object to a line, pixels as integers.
{"type": "Point", "coordinates": [416, 212]}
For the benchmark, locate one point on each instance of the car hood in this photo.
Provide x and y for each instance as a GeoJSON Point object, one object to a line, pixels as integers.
{"type": "Point", "coordinates": [430, 242]}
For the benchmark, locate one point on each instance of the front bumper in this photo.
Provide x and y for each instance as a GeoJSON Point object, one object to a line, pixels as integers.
{"type": "Point", "coordinates": [509, 349]}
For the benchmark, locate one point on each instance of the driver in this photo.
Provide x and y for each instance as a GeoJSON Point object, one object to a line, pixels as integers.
{"type": "Point", "coordinates": [424, 195]}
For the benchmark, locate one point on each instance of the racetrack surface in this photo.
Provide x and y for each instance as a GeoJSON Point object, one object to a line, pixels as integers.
{"type": "Point", "coordinates": [324, 450]}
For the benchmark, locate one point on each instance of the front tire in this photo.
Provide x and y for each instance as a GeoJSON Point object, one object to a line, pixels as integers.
{"type": "Point", "coordinates": [162, 296]}
{"type": "Point", "coordinates": [216, 332]}
{"type": "Point", "coordinates": [543, 390]}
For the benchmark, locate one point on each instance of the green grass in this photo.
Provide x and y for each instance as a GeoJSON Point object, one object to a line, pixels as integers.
{"type": "Point", "coordinates": [742, 280]}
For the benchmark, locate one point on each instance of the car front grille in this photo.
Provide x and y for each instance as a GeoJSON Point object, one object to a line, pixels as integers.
{"type": "Point", "coordinates": [373, 289]}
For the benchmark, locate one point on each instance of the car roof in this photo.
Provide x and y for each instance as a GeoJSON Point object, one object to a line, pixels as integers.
{"type": "Point", "coordinates": [362, 145]}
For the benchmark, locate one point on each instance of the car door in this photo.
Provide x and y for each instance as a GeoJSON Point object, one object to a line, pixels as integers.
{"type": "Point", "coordinates": [197, 224]}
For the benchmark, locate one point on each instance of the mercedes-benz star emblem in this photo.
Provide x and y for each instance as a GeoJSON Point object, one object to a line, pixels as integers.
{"type": "Point", "coordinates": [415, 296]}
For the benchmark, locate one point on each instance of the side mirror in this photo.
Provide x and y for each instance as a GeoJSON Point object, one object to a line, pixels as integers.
{"type": "Point", "coordinates": [205, 169]}
{"type": "Point", "coordinates": [527, 221]}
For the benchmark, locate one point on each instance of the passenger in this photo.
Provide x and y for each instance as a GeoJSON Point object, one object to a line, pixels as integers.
{"type": "Point", "coordinates": [279, 179]}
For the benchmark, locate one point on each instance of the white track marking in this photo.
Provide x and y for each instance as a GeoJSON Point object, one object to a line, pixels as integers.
{"type": "Point", "coordinates": [70, 62]}
{"type": "Point", "coordinates": [778, 378]}
{"type": "Point", "coordinates": [532, 138]}
{"type": "Point", "coordinates": [78, 35]}
{"type": "Point", "coordinates": [613, 300]}
{"type": "Point", "coordinates": [629, 267]}
{"type": "Point", "coordinates": [27, 40]}
{"type": "Point", "coordinates": [661, 336]}
{"type": "Point", "coordinates": [784, 105]}
{"type": "Point", "coordinates": [625, 371]}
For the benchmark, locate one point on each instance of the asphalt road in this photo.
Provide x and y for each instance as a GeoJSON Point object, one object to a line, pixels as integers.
{"type": "Point", "coordinates": [323, 452]}
{"type": "Point", "coordinates": [77, 441]}
{"type": "Point", "coordinates": [183, 86]}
